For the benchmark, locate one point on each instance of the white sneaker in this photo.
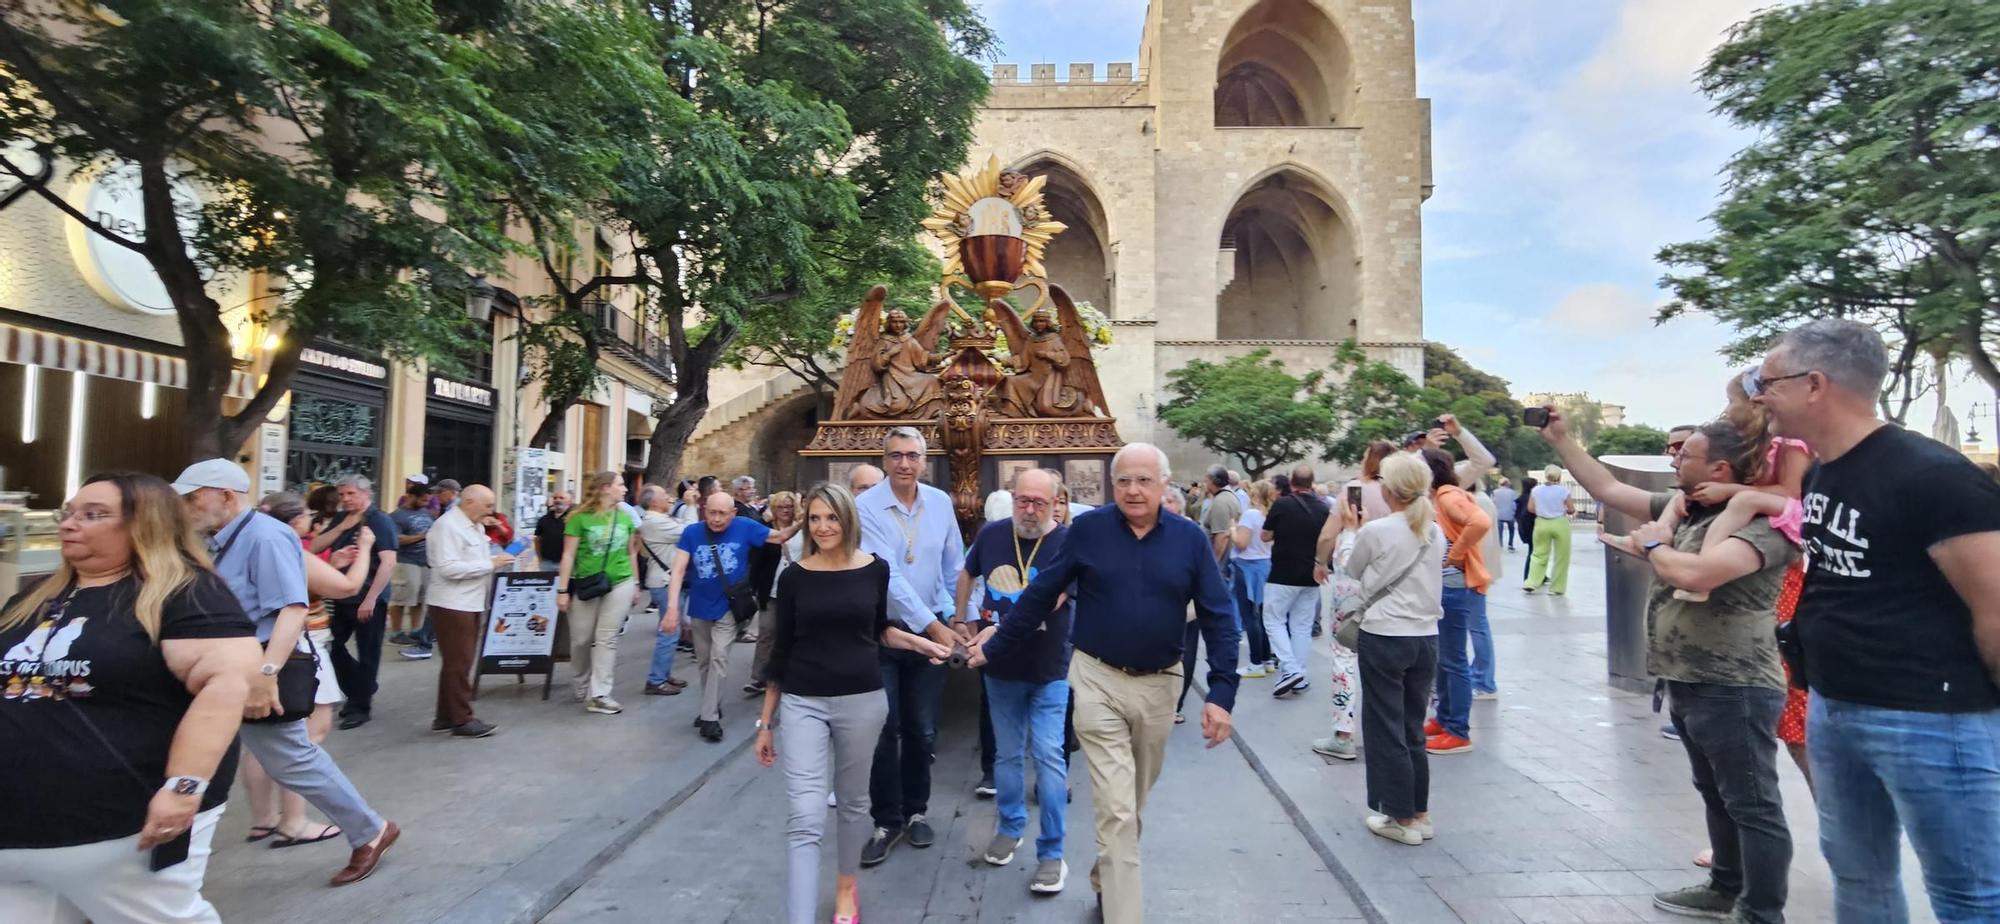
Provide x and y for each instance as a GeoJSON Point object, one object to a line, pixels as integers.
{"type": "Point", "coordinates": [1486, 695]}
{"type": "Point", "coordinates": [604, 705]}
{"type": "Point", "coordinates": [1254, 670]}
{"type": "Point", "coordinates": [1422, 826]}
{"type": "Point", "coordinates": [1384, 826]}
{"type": "Point", "coordinates": [1049, 877]}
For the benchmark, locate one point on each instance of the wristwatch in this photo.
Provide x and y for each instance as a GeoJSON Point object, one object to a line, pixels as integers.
{"type": "Point", "coordinates": [185, 785]}
{"type": "Point", "coordinates": [760, 725]}
{"type": "Point", "coordinates": [1646, 549]}
{"type": "Point", "coordinates": [268, 670]}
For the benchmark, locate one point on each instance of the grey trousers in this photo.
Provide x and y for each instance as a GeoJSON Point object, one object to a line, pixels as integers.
{"type": "Point", "coordinates": [296, 763]}
{"type": "Point", "coordinates": [712, 638]}
{"type": "Point", "coordinates": [822, 736]}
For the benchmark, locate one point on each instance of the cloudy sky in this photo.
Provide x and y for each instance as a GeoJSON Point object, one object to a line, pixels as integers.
{"type": "Point", "coordinates": [1569, 146]}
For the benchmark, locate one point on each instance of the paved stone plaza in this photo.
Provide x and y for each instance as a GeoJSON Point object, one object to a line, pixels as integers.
{"type": "Point", "coordinates": [1573, 808]}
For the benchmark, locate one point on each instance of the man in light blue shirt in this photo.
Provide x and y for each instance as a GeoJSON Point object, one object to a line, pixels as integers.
{"type": "Point", "coordinates": [911, 526]}
{"type": "Point", "coordinates": [263, 562]}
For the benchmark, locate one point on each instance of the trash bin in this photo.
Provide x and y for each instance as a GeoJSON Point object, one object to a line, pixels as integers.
{"type": "Point", "coordinates": [1626, 579]}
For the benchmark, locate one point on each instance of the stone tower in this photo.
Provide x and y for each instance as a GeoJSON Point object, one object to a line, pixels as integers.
{"type": "Point", "coordinates": [1256, 182]}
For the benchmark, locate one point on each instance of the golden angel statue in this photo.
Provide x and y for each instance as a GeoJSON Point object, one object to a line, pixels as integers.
{"type": "Point", "coordinates": [1054, 375]}
{"type": "Point", "coordinates": [889, 372]}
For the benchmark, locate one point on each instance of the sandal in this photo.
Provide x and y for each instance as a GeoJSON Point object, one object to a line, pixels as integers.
{"type": "Point", "coordinates": [326, 833]}
{"type": "Point", "coordinates": [259, 833]}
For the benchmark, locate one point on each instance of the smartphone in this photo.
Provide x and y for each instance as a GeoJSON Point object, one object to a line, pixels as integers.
{"type": "Point", "coordinates": [1354, 496]}
{"type": "Point", "coordinates": [1537, 417]}
{"type": "Point", "coordinates": [1437, 423]}
{"type": "Point", "coordinates": [173, 852]}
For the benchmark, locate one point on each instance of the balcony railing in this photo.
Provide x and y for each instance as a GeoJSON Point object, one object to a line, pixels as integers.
{"type": "Point", "coordinates": [629, 337]}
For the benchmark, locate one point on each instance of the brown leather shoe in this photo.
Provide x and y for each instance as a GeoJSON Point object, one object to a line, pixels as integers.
{"type": "Point", "coordinates": [364, 858]}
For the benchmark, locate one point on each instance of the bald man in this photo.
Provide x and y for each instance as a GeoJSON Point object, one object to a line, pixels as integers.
{"type": "Point", "coordinates": [462, 566]}
{"type": "Point", "coordinates": [863, 477]}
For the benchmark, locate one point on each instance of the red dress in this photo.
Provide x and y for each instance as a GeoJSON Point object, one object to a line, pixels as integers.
{"type": "Point", "coordinates": [1792, 722]}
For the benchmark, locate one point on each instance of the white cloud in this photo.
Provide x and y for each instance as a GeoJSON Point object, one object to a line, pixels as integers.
{"type": "Point", "coordinates": [1660, 44]}
{"type": "Point", "coordinates": [1601, 310]}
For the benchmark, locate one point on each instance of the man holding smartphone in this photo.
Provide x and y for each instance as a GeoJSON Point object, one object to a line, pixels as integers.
{"type": "Point", "coordinates": [1478, 460]}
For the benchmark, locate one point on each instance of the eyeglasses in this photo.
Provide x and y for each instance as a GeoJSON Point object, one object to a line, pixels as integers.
{"type": "Point", "coordinates": [1674, 448]}
{"type": "Point", "coordinates": [1033, 503]}
{"type": "Point", "coordinates": [903, 456]}
{"type": "Point", "coordinates": [88, 517]}
{"type": "Point", "coordinates": [1755, 383]}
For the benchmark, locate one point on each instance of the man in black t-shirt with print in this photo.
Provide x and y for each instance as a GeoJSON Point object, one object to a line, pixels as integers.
{"type": "Point", "coordinates": [1900, 629]}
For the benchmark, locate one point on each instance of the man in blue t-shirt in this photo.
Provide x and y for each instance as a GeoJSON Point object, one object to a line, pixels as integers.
{"type": "Point", "coordinates": [707, 562]}
{"type": "Point", "coordinates": [1027, 690]}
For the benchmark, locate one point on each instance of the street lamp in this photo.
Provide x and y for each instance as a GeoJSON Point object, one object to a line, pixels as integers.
{"type": "Point", "coordinates": [1972, 416]}
{"type": "Point", "coordinates": [479, 299]}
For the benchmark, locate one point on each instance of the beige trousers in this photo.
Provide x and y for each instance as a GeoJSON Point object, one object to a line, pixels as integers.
{"type": "Point", "coordinates": [593, 635]}
{"type": "Point", "coordinates": [712, 639]}
{"type": "Point", "coordinates": [1123, 722]}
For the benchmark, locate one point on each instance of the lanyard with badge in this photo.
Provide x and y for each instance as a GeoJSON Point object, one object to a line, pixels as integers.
{"type": "Point", "coordinates": [908, 523]}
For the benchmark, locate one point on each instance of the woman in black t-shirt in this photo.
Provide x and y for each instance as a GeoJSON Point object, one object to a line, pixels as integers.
{"type": "Point", "coordinates": [825, 680]}
{"type": "Point", "coordinates": [125, 677]}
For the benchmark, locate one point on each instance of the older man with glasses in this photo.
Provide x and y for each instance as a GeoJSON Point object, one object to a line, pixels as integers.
{"type": "Point", "coordinates": [1134, 572]}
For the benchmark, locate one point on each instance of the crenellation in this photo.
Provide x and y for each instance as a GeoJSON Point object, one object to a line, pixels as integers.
{"type": "Point", "coordinates": [1078, 73]}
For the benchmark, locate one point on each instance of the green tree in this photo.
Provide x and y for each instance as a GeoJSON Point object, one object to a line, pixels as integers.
{"type": "Point", "coordinates": [816, 130]}
{"type": "Point", "coordinates": [1369, 400]}
{"type": "Point", "coordinates": [1250, 408]}
{"type": "Point", "coordinates": [1372, 400]}
{"type": "Point", "coordinates": [337, 145]}
{"type": "Point", "coordinates": [1871, 190]}
{"type": "Point", "coordinates": [1639, 440]}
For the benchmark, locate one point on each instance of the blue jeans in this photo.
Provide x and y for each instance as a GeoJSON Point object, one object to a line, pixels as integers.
{"type": "Point", "coordinates": [1462, 606]}
{"type": "Point", "coordinates": [1483, 680]}
{"type": "Point", "coordinates": [1248, 590]}
{"type": "Point", "coordinates": [1023, 711]}
{"type": "Point", "coordinates": [1885, 772]}
{"type": "Point", "coordinates": [899, 783]}
{"type": "Point", "coordinates": [663, 642]}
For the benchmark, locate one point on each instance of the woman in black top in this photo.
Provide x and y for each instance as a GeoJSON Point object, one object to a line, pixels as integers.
{"type": "Point", "coordinates": [125, 676]}
{"type": "Point", "coordinates": [824, 680]}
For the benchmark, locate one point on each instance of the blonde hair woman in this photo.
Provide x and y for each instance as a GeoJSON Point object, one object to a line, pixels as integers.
{"type": "Point", "coordinates": [601, 557]}
{"type": "Point", "coordinates": [1399, 561]}
{"type": "Point", "coordinates": [128, 666]}
{"type": "Point", "coordinates": [1552, 506]}
{"type": "Point", "coordinates": [824, 685]}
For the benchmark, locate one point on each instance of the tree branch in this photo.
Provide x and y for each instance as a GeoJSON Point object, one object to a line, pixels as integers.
{"type": "Point", "coordinates": [41, 188]}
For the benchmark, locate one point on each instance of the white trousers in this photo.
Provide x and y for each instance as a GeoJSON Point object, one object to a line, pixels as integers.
{"type": "Point", "coordinates": [109, 882]}
{"type": "Point", "coordinates": [1288, 622]}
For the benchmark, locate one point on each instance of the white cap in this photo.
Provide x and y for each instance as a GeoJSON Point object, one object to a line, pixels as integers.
{"type": "Point", "coordinates": [213, 473]}
{"type": "Point", "coordinates": [419, 478]}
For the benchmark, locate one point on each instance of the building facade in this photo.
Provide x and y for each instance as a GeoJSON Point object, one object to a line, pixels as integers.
{"type": "Point", "coordinates": [1255, 182]}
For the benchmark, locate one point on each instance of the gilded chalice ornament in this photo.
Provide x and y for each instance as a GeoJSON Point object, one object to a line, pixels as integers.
{"type": "Point", "coordinates": [994, 228]}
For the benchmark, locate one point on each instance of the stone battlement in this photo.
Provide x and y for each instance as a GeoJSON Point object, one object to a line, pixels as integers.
{"type": "Point", "coordinates": [1119, 72]}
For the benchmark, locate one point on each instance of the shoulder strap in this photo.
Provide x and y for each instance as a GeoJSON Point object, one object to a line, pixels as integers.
{"type": "Point", "coordinates": [216, 557]}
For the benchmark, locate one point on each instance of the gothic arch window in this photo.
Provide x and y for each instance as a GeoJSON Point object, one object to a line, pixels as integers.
{"type": "Point", "coordinates": [1284, 63]}
{"type": "Point", "coordinates": [1078, 259]}
{"type": "Point", "coordinates": [1286, 266]}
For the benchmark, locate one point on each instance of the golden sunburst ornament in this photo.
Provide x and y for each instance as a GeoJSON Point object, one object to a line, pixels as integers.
{"type": "Point", "coordinates": [993, 226]}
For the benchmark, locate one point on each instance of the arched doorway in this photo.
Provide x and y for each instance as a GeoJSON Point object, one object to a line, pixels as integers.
{"type": "Point", "coordinates": [1288, 269]}
{"type": "Point", "coordinates": [1283, 63]}
{"type": "Point", "coordinates": [1078, 259]}
{"type": "Point", "coordinates": [774, 451]}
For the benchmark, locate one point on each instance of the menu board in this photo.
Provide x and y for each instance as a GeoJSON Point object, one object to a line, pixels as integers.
{"type": "Point", "coordinates": [520, 624]}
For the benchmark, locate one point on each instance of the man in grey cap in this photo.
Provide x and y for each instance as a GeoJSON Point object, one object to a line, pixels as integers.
{"type": "Point", "coordinates": [263, 563]}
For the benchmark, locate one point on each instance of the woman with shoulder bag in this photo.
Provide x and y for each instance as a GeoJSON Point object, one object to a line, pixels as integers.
{"type": "Point", "coordinates": [126, 673]}
{"type": "Point", "coordinates": [1398, 562]}
{"type": "Point", "coordinates": [594, 585]}
{"type": "Point", "coordinates": [824, 686]}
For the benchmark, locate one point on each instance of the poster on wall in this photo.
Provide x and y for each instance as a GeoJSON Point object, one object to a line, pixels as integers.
{"type": "Point", "coordinates": [1085, 478]}
{"type": "Point", "coordinates": [520, 633]}
{"type": "Point", "coordinates": [531, 485]}
{"type": "Point", "coordinates": [270, 459]}
{"type": "Point", "coordinates": [1006, 469]}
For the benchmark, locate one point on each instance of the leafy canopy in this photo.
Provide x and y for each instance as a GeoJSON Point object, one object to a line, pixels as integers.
{"type": "Point", "coordinates": [1637, 440]}
{"type": "Point", "coordinates": [1872, 188]}
{"type": "Point", "coordinates": [1248, 407]}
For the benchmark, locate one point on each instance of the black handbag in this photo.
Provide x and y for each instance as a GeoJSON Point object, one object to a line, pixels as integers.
{"type": "Point", "coordinates": [1793, 651]}
{"type": "Point", "coordinates": [298, 683]}
{"type": "Point", "coordinates": [599, 584]}
{"type": "Point", "coordinates": [742, 599]}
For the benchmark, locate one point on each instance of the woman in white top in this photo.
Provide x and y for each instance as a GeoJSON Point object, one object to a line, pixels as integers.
{"type": "Point", "coordinates": [659, 530]}
{"type": "Point", "coordinates": [1399, 561]}
{"type": "Point", "coordinates": [1552, 506]}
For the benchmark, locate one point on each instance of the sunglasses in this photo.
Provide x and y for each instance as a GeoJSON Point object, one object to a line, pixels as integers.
{"type": "Point", "coordinates": [1754, 382]}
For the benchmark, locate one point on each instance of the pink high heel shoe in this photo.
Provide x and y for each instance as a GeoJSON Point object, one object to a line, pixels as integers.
{"type": "Point", "coordinates": [854, 918]}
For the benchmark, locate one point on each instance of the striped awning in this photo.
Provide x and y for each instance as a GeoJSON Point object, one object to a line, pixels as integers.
{"type": "Point", "coordinates": [29, 347]}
